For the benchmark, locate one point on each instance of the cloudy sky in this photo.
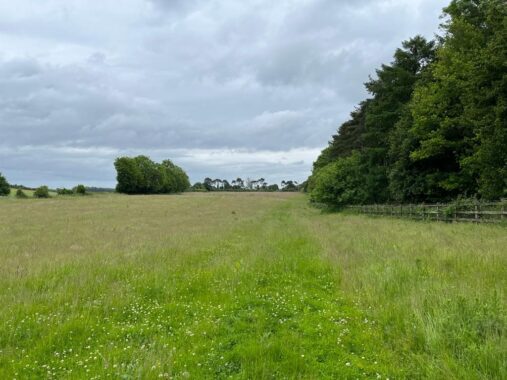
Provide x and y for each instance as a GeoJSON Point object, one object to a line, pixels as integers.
{"type": "Point", "coordinates": [224, 88]}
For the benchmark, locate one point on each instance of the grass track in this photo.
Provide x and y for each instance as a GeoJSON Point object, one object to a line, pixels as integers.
{"type": "Point", "coordinates": [244, 286]}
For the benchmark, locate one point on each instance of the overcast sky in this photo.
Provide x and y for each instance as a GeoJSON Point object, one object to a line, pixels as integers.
{"type": "Point", "coordinates": [224, 88]}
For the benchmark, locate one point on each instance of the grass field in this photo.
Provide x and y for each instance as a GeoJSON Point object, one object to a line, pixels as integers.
{"type": "Point", "coordinates": [29, 193]}
{"type": "Point", "coordinates": [248, 286]}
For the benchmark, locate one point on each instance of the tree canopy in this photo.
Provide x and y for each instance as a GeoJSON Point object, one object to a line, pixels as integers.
{"type": "Point", "coordinates": [140, 175]}
{"type": "Point", "coordinates": [435, 126]}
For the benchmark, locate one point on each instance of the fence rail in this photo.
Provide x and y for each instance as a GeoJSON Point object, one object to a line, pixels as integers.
{"type": "Point", "coordinates": [469, 212]}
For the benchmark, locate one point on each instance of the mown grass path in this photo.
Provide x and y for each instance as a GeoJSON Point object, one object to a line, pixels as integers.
{"type": "Point", "coordinates": [208, 286]}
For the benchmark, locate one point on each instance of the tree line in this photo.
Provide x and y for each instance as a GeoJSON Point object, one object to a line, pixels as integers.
{"type": "Point", "coordinates": [39, 192]}
{"type": "Point", "coordinates": [248, 184]}
{"type": "Point", "coordinates": [435, 125]}
{"type": "Point", "coordinates": [135, 175]}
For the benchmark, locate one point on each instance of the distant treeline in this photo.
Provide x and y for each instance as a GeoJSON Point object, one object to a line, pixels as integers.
{"type": "Point", "coordinates": [435, 126]}
{"type": "Point", "coordinates": [39, 192]}
{"type": "Point", "coordinates": [22, 187]}
{"type": "Point", "coordinates": [239, 184]}
{"type": "Point", "coordinates": [92, 189]}
{"type": "Point", "coordinates": [140, 175]}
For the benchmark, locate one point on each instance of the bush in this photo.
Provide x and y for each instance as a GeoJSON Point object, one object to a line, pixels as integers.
{"type": "Point", "coordinates": [64, 191]}
{"type": "Point", "coordinates": [340, 183]}
{"type": "Point", "coordinates": [5, 188]}
{"type": "Point", "coordinates": [41, 192]}
{"type": "Point", "coordinates": [20, 194]}
{"type": "Point", "coordinates": [80, 190]}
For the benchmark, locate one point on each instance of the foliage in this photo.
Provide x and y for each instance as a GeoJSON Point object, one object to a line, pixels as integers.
{"type": "Point", "coordinates": [77, 190]}
{"type": "Point", "coordinates": [348, 139]}
{"type": "Point", "coordinates": [459, 121]}
{"type": "Point", "coordinates": [290, 185]}
{"type": "Point", "coordinates": [198, 186]}
{"type": "Point", "coordinates": [21, 194]}
{"type": "Point", "coordinates": [41, 192]}
{"type": "Point", "coordinates": [80, 190]}
{"type": "Point", "coordinates": [435, 127]}
{"type": "Point", "coordinates": [64, 191]}
{"type": "Point", "coordinates": [5, 188]}
{"type": "Point", "coordinates": [93, 189]}
{"type": "Point", "coordinates": [140, 175]}
{"type": "Point", "coordinates": [340, 182]}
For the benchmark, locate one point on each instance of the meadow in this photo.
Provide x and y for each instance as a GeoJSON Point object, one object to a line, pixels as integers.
{"type": "Point", "coordinates": [29, 193]}
{"type": "Point", "coordinates": [245, 286]}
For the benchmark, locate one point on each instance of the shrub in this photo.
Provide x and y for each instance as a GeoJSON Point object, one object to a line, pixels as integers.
{"type": "Point", "coordinates": [5, 188]}
{"type": "Point", "coordinates": [20, 194]}
{"type": "Point", "coordinates": [198, 186]}
{"type": "Point", "coordinates": [64, 191]}
{"type": "Point", "coordinates": [41, 192]}
{"type": "Point", "coordinates": [340, 183]}
{"type": "Point", "coordinates": [80, 190]}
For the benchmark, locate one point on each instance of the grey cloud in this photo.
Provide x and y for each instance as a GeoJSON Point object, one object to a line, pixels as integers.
{"type": "Point", "coordinates": [82, 82]}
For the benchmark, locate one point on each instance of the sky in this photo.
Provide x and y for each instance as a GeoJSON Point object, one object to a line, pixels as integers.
{"type": "Point", "coordinates": [223, 88]}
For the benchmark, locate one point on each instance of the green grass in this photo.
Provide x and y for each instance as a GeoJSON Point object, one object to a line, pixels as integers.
{"type": "Point", "coordinates": [29, 193]}
{"type": "Point", "coordinates": [245, 286]}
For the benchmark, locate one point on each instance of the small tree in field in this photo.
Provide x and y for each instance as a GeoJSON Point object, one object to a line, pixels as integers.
{"type": "Point", "coordinates": [80, 190]}
{"type": "Point", "coordinates": [5, 188]}
{"type": "Point", "coordinates": [20, 194]}
{"type": "Point", "coordinates": [41, 192]}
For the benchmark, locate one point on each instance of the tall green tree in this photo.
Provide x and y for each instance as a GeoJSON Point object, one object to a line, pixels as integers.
{"type": "Point", "coordinates": [435, 126]}
{"type": "Point", "coordinates": [5, 188]}
{"type": "Point", "coordinates": [348, 139]}
{"type": "Point", "coordinates": [368, 131]}
{"type": "Point", "coordinates": [392, 91]}
{"type": "Point", "coordinates": [459, 115]}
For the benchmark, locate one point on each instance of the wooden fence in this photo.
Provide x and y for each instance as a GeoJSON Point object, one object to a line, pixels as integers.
{"type": "Point", "coordinates": [466, 212]}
